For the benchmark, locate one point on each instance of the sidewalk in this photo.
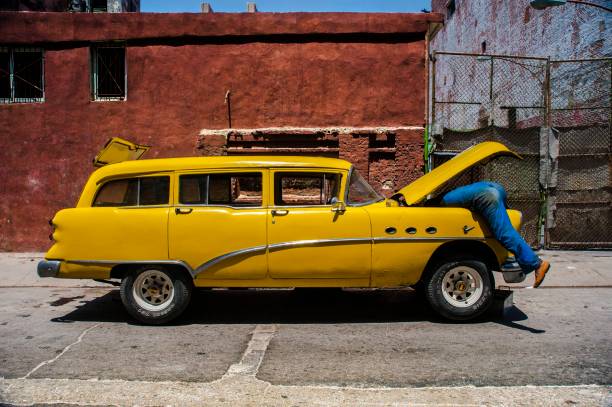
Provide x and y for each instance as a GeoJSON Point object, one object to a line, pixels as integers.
{"type": "Point", "coordinates": [578, 268]}
{"type": "Point", "coordinates": [569, 269]}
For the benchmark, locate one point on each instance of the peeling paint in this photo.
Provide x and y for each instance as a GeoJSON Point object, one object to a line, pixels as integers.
{"type": "Point", "coordinates": [565, 32]}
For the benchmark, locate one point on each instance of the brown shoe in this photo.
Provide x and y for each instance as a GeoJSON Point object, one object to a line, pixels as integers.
{"type": "Point", "coordinates": [540, 273]}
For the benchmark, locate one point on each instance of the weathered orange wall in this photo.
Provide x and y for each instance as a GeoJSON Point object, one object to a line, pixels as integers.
{"type": "Point", "coordinates": [368, 73]}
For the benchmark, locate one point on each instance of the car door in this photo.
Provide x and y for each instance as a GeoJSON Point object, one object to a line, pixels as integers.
{"type": "Point", "coordinates": [218, 223]}
{"type": "Point", "coordinates": [308, 236]}
{"type": "Point", "coordinates": [127, 221]}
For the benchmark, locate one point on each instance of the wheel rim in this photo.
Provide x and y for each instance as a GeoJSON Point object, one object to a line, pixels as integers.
{"type": "Point", "coordinates": [462, 286]}
{"type": "Point", "coordinates": [153, 290]}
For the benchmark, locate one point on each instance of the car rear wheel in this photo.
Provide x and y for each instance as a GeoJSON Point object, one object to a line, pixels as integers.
{"type": "Point", "coordinates": [156, 295]}
{"type": "Point", "coordinates": [460, 289]}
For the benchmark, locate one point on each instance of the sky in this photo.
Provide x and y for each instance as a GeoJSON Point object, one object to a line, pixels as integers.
{"type": "Point", "coordinates": [381, 6]}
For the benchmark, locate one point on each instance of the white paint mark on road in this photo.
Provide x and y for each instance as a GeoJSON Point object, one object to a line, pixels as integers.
{"type": "Point", "coordinates": [59, 355]}
{"type": "Point", "coordinates": [254, 353]}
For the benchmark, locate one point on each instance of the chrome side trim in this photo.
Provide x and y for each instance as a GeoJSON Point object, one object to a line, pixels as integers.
{"type": "Point", "coordinates": [181, 205]}
{"type": "Point", "coordinates": [316, 242]}
{"type": "Point", "coordinates": [299, 206]}
{"type": "Point", "coordinates": [226, 256]}
{"type": "Point", "coordinates": [275, 247]}
{"type": "Point", "coordinates": [423, 239]}
{"type": "Point", "coordinates": [114, 262]}
{"type": "Point", "coordinates": [136, 207]}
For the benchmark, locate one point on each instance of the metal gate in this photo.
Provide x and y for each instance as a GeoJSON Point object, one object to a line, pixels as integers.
{"type": "Point", "coordinates": [556, 114]}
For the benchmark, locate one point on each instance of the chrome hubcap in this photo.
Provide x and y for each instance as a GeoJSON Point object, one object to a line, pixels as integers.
{"type": "Point", "coordinates": [462, 286]}
{"type": "Point", "coordinates": [153, 290]}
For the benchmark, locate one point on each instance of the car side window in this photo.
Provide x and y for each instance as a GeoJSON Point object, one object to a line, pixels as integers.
{"type": "Point", "coordinates": [134, 192]}
{"type": "Point", "coordinates": [305, 188]}
{"type": "Point", "coordinates": [359, 191]}
{"type": "Point", "coordinates": [193, 189]}
{"type": "Point", "coordinates": [154, 190]}
{"type": "Point", "coordinates": [235, 189]}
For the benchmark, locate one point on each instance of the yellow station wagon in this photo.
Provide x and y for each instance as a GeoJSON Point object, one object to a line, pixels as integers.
{"type": "Point", "coordinates": [167, 226]}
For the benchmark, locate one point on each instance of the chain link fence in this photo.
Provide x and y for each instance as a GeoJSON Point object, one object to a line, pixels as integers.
{"type": "Point", "coordinates": [580, 195]}
{"type": "Point", "coordinates": [555, 114]}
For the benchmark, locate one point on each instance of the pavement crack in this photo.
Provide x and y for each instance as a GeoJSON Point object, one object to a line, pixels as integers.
{"type": "Point", "coordinates": [254, 353]}
{"type": "Point", "coordinates": [59, 355]}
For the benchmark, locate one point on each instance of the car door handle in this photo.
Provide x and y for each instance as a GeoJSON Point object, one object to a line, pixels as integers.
{"type": "Point", "coordinates": [279, 212]}
{"type": "Point", "coordinates": [183, 211]}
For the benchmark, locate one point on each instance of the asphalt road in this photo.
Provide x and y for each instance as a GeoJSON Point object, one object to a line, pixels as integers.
{"type": "Point", "coordinates": [357, 338]}
{"type": "Point", "coordinates": [78, 345]}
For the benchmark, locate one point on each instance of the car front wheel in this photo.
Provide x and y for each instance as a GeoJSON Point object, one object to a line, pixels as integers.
{"type": "Point", "coordinates": [156, 295]}
{"type": "Point", "coordinates": [460, 289]}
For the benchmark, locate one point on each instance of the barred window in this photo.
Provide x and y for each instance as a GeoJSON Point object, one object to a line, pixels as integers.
{"type": "Point", "coordinates": [21, 75]}
{"type": "Point", "coordinates": [99, 6]}
{"type": "Point", "coordinates": [108, 73]}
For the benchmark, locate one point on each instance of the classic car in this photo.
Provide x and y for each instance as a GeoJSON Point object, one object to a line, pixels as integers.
{"type": "Point", "coordinates": [164, 227]}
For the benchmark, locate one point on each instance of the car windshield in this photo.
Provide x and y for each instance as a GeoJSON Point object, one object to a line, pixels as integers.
{"type": "Point", "coordinates": [360, 192]}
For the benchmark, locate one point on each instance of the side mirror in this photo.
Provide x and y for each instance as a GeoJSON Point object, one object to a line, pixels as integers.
{"type": "Point", "coordinates": [337, 205]}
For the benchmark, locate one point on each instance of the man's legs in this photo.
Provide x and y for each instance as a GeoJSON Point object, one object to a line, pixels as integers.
{"type": "Point", "coordinates": [488, 199]}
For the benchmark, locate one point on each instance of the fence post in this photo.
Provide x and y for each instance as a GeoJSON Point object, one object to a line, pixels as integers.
{"type": "Point", "coordinates": [491, 104]}
{"type": "Point", "coordinates": [547, 156]}
{"type": "Point", "coordinates": [547, 96]}
{"type": "Point", "coordinates": [432, 117]}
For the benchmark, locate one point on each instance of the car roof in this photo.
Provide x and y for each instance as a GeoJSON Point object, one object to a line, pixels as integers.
{"type": "Point", "coordinates": [219, 162]}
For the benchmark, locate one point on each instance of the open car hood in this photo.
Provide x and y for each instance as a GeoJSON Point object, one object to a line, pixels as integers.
{"type": "Point", "coordinates": [117, 150]}
{"type": "Point", "coordinates": [428, 184]}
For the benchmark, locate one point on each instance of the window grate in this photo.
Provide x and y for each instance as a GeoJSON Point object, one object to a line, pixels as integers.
{"type": "Point", "coordinates": [108, 73]}
{"type": "Point", "coordinates": [21, 75]}
{"type": "Point", "coordinates": [99, 6]}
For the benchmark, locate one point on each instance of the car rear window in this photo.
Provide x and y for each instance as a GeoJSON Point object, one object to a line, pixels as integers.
{"type": "Point", "coordinates": [236, 189]}
{"type": "Point", "coordinates": [134, 192]}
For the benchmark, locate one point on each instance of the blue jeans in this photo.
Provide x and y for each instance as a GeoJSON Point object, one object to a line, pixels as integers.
{"type": "Point", "coordinates": [489, 200]}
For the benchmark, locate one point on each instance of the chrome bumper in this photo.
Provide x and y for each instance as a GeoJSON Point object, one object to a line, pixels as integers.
{"type": "Point", "coordinates": [48, 268]}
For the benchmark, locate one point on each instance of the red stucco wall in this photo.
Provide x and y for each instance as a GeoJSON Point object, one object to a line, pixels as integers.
{"type": "Point", "coordinates": [177, 88]}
